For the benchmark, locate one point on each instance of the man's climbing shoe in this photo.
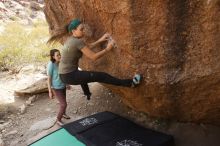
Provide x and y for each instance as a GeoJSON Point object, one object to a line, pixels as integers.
{"type": "Point", "coordinates": [136, 80]}
{"type": "Point", "coordinates": [88, 97]}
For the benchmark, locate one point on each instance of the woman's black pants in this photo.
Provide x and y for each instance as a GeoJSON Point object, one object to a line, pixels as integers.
{"type": "Point", "coordinates": [84, 77]}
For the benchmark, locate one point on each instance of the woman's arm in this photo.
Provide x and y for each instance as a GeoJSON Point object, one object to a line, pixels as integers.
{"type": "Point", "coordinates": [49, 87]}
{"type": "Point", "coordinates": [94, 56]}
{"type": "Point", "coordinates": [92, 45]}
{"type": "Point", "coordinates": [102, 39]}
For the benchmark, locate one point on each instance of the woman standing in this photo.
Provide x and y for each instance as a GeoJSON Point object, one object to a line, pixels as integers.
{"type": "Point", "coordinates": [56, 86]}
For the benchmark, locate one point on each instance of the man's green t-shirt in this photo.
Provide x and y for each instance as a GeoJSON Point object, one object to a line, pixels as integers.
{"type": "Point", "coordinates": [70, 55]}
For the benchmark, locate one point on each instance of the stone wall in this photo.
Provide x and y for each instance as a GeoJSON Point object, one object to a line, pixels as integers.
{"type": "Point", "coordinates": [173, 43]}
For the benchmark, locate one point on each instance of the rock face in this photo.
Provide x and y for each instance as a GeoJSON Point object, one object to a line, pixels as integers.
{"type": "Point", "coordinates": [173, 43]}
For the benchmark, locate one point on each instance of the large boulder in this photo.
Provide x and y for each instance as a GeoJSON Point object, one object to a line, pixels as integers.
{"type": "Point", "coordinates": [37, 87]}
{"type": "Point", "coordinates": [173, 43]}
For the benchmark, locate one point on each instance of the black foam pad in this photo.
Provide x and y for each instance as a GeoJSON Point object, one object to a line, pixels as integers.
{"type": "Point", "coordinates": [108, 129]}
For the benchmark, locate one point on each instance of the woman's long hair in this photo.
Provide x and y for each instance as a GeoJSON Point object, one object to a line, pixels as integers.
{"type": "Point", "coordinates": [58, 35]}
{"type": "Point", "coordinates": [52, 53]}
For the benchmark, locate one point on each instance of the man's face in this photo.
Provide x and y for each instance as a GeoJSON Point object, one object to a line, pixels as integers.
{"type": "Point", "coordinates": [79, 31]}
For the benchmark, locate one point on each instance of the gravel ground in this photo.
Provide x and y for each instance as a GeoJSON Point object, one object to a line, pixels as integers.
{"type": "Point", "coordinates": [20, 129]}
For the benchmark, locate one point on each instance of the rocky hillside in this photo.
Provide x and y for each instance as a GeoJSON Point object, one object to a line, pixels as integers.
{"type": "Point", "coordinates": [21, 10]}
{"type": "Point", "coordinates": [173, 43]}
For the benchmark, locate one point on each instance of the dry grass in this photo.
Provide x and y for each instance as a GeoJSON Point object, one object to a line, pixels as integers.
{"type": "Point", "coordinates": [23, 45]}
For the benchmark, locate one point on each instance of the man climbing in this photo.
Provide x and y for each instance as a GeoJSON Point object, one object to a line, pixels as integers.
{"type": "Point", "coordinates": [73, 49]}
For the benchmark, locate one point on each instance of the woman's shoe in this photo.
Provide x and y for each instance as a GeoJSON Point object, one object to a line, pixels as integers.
{"type": "Point", "coordinates": [66, 117]}
{"type": "Point", "coordinates": [60, 123]}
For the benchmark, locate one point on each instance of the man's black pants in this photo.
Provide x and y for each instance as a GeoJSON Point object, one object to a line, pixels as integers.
{"type": "Point", "coordinates": [84, 77]}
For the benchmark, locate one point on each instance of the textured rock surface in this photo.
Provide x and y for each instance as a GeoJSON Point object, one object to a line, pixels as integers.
{"type": "Point", "coordinates": [173, 43]}
{"type": "Point", "coordinates": [39, 86]}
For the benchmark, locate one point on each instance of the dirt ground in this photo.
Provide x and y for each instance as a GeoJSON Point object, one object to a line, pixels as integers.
{"type": "Point", "coordinates": [21, 129]}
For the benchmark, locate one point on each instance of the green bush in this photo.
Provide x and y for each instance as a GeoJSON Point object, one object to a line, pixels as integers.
{"type": "Point", "coordinates": [23, 45]}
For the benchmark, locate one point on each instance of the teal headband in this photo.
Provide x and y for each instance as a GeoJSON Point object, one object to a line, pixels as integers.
{"type": "Point", "coordinates": [73, 24]}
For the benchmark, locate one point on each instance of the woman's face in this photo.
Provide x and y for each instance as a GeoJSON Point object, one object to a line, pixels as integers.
{"type": "Point", "coordinates": [78, 32]}
{"type": "Point", "coordinates": [57, 56]}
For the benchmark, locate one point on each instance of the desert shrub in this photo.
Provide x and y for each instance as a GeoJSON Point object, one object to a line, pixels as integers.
{"type": "Point", "coordinates": [22, 44]}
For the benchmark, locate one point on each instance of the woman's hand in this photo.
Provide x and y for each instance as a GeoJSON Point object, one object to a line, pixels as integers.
{"type": "Point", "coordinates": [51, 95]}
{"type": "Point", "coordinates": [105, 37]}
